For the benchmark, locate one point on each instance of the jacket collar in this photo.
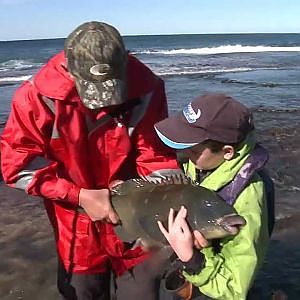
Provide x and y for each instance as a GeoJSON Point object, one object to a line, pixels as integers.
{"type": "Point", "coordinates": [228, 169]}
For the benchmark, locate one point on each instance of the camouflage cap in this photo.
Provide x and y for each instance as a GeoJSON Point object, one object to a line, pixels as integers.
{"type": "Point", "coordinates": [97, 58]}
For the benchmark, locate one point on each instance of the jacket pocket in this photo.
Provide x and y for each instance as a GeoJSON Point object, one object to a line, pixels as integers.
{"type": "Point", "coordinates": [77, 241]}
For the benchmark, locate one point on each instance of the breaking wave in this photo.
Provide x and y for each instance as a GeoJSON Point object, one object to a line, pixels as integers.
{"type": "Point", "coordinates": [18, 64]}
{"type": "Point", "coordinates": [200, 71]}
{"type": "Point", "coordinates": [13, 80]}
{"type": "Point", "coordinates": [226, 49]}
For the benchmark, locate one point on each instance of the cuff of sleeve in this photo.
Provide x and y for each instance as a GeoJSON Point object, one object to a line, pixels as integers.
{"type": "Point", "coordinates": [73, 195]}
{"type": "Point", "coordinates": [195, 264]}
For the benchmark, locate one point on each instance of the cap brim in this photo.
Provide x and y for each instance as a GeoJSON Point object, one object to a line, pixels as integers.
{"type": "Point", "coordinates": [95, 95]}
{"type": "Point", "coordinates": [177, 134]}
{"type": "Point", "coordinates": [172, 144]}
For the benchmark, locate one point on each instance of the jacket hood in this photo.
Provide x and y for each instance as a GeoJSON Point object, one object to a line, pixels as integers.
{"type": "Point", "coordinates": [54, 81]}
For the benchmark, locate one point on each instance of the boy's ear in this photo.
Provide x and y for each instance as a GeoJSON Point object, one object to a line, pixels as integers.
{"type": "Point", "coordinates": [228, 152]}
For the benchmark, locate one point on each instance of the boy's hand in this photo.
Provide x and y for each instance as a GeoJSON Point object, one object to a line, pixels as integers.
{"type": "Point", "coordinates": [199, 240]}
{"type": "Point", "coordinates": [178, 234]}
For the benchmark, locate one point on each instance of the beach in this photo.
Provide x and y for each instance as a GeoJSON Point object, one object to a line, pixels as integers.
{"type": "Point", "coordinates": [262, 71]}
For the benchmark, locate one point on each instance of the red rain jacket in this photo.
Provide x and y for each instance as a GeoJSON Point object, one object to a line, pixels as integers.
{"type": "Point", "coordinates": [52, 146]}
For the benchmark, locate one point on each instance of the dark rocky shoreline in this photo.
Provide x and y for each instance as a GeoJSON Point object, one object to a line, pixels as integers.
{"type": "Point", "coordinates": [28, 264]}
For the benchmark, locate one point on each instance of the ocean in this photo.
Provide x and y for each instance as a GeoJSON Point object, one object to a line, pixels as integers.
{"type": "Point", "coordinates": [260, 70]}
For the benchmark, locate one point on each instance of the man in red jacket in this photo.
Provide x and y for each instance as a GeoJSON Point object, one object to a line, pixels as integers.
{"type": "Point", "coordinates": [84, 121]}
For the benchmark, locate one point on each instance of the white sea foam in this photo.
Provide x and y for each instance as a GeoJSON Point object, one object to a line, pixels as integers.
{"type": "Point", "coordinates": [18, 64]}
{"type": "Point", "coordinates": [200, 71]}
{"type": "Point", "coordinates": [226, 49]}
{"type": "Point", "coordinates": [15, 79]}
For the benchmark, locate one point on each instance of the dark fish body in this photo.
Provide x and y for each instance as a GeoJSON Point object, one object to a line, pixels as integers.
{"type": "Point", "coordinates": [141, 204]}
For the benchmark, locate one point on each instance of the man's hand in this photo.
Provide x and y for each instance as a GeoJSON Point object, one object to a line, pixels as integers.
{"type": "Point", "coordinates": [97, 205]}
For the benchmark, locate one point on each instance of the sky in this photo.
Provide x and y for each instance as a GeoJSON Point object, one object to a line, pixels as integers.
{"type": "Point", "coordinates": [38, 19]}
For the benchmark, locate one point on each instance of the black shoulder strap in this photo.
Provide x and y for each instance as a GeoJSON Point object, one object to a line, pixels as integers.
{"type": "Point", "coordinates": [270, 191]}
{"type": "Point", "coordinates": [253, 164]}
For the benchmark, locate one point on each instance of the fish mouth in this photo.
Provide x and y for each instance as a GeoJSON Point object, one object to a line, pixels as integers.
{"type": "Point", "coordinates": [232, 223]}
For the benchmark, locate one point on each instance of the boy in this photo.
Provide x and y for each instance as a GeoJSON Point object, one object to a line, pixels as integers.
{"type": "Point", "coordinates": [216, 133]}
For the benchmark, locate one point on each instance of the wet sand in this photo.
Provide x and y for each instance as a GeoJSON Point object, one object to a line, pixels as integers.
{"type": "Point", "coordinates": [28, 259]}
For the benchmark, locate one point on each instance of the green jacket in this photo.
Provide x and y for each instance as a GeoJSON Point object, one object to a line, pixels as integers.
{"type": "Point", "coordinates": [230, 273]}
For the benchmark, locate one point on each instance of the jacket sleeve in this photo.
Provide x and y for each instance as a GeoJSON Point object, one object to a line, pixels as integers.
{"type": "Point", "coordinates": [154, 159]}
{"type": "Point", "coordinates": [230, 273]}
{"type": "Point", "coordinates": [24, 160]}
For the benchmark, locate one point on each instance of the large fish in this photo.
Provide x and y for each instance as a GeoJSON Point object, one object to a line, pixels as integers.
{"type": "Point", "coordinates": [140, 204]}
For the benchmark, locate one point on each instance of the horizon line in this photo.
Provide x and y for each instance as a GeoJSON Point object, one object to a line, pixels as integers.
{"type": "Point", "coordinates": [156, 34]}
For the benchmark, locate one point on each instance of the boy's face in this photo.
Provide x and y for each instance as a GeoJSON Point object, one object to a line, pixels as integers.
{"type": "Point", "coordinates": [205, 159]}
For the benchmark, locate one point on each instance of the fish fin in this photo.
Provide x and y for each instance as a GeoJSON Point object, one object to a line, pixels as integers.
{"type": "Point", "coordinates": [142, 184]}
{"type": "Point", "coordinates": [131, 185]}
{"type": "Point", "coordinates": [138, 242]}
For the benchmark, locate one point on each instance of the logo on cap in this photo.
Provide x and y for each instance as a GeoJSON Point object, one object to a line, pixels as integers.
{"type": "Point", "coordinates": [100, 69]}
{"type": "Point", "coordinates": [190, 114]}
